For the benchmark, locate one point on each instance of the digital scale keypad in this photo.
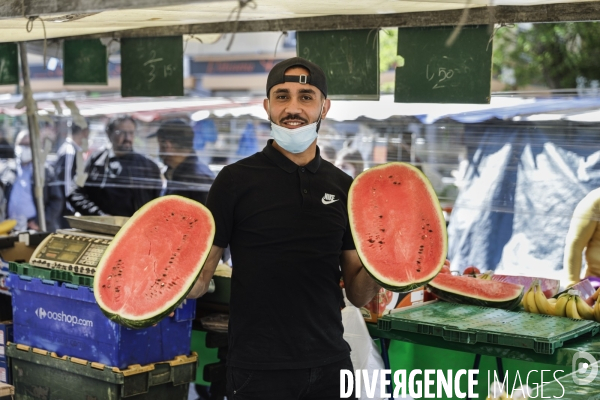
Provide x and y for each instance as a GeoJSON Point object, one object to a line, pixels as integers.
{"type": "Point", "coordinates": [74, 252]}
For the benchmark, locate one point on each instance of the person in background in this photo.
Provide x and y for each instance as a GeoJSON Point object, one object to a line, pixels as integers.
{"type": "Point", "coordinates": [119, 180]}
{"type": "Point", "coordinates": [328, 154]}
{"type": "Point", "coordinates": [350, 161]}
{"type": "Point", "coordinates": [65, 166]}
{"type": "Point", "coordinates": [186, 175]}
{"type": "Point", "coordinates": [584, 233]}
{"type": "Point", "coordinates": [284, 213]}
{"type": "Point", "coordinates": [19, 190]}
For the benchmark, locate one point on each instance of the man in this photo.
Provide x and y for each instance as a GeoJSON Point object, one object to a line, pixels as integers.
{"type": "Point", "coordinates": [283, 211]}
{"type": "Point", "coordinates": [119, 180]}
{"type": "Point", "coordinates": [66, 165]}
{"type": "Point", "coordinates": [186, 175]}
{"type": "Point", "coordinates": [584, 233]}
{"type": "Point", "coordinates": [19, 190]}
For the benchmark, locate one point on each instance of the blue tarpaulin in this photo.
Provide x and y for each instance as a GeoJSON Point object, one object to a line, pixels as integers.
{"type": "Point", "coordinates": [521, 187]}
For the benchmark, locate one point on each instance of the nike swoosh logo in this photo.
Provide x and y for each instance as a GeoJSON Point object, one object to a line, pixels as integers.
{"type": "Point", "coordinates": [328, 201]}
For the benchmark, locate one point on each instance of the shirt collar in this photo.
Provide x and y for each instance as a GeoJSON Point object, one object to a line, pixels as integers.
{"type": "Point", "coordinates": [285, 163]}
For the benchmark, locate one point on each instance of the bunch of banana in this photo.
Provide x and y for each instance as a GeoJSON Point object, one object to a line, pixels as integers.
{"type": "Point", "coordinates": [543, 305]}
{"type": "Point", "coordinates": [577, 308]}
{"type": "Point", "coordinates": [597, 310]}
{"type": "Point", "coordinates": [7, 225]}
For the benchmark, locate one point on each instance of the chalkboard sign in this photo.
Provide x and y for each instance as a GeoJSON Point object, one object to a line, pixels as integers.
{"type": "Point", "coordinates": [152, 66]}
{"type": "Point", "coordinates": [435, 73]}
{"type": "Point", "coordinates": [9, 64]}
{"type": "Point", "coordinates": [349, 58]}
{"type": "Point", "coordinates": [85, 62]}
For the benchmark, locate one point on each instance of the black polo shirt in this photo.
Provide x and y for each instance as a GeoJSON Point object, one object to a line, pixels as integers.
{"type": "Point", "coordinates": [286, 226]}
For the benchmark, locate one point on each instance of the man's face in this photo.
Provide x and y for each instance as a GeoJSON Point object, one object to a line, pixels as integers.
{"type": "Point", "coordinates": [122, 138]}
{"type": "Point", "coordinates": [165, 151]}
{"type": "Point", "coordinates": [293, 104]}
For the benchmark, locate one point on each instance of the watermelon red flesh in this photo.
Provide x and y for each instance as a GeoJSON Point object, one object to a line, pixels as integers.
{"type": "Point", "coordinates": [153, 261]}
{"type": "Point", "coordinates": [478, 292]}
{"type": "Point", "coordinates": [398, 226]}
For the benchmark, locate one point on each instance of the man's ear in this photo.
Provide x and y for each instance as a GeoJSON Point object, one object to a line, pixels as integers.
{"type": "Point", "coordinates": [266, 107]}
{"type": "Point", "coordinates": [326, 107]}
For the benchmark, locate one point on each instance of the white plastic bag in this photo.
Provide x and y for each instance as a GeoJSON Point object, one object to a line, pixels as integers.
{"type": "Point", "coordinates": [364, 353]}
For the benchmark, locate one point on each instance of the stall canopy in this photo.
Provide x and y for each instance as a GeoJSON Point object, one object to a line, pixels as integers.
{"type": "Point", "coordinates": [63, 18]}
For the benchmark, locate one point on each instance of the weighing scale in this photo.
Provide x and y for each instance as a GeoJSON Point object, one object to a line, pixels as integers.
{"type": "Point", "coordinates": [79, 249]}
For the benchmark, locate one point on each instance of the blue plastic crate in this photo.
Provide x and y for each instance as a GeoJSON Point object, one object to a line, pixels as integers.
{"type": "Point", "coordinates": [65, 318]}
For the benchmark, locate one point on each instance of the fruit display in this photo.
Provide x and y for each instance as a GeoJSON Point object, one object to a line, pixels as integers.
{"type": "Point", "coordinates": [569, 304]}
{"type": "Point", "coordinates": [153, 261]}
{"type": "Point", "coordinates": [398, 226]}
{"type": "Point", "coordinates": [477, 292]}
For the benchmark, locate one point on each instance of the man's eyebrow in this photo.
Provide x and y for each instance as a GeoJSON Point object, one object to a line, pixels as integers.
{"type": "Point", "coordinates": [281, 90]}
{"type": "Point", "coordinates": [310, 91]}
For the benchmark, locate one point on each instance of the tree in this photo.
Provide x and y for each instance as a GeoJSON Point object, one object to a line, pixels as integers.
{"type": "Point", "coordinates": [556, 55]}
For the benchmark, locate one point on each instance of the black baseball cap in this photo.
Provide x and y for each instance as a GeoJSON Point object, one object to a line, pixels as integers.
{"type": "Point", "coordinates": [316, 76]}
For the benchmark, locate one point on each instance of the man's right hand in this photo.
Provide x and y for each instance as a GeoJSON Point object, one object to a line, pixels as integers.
{"type": "Point", "coordinates": [210, 265]}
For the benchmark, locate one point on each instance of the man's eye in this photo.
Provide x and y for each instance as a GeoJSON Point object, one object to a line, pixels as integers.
{"type": "Point", "coordinates": [306, 98]}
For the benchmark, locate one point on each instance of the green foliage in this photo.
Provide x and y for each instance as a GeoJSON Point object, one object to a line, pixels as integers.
{"type": "Point", "coordinates": [555, 55]}
{"type": "Point", "coordinates": [388, 58]}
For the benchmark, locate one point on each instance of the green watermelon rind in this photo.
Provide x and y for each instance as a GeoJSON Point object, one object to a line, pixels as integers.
{"type": "Point", "coordinates": [508, 303]}
{"type": "Point", "coordinates": [387, 284]}
{"type": "Point", "coordinates": [145, 322]}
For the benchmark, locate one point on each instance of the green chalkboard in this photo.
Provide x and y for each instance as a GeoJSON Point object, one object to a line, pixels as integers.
{"type": "Point", "coordinates": [349, 58]}
{"type": "Point", "coordinates": [85, 62]}
{"type": "Point", "coordinates": [9, 64]}
{"type": "Point", "coordinates": [436, 73]}
{"type": "Point", "coordinates": [152, 66]}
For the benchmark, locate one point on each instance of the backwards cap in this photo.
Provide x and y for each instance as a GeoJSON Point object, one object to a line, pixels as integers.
{"type": "Point", "coordinates": [315, 77]}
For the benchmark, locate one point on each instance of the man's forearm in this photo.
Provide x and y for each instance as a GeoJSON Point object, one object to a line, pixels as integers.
{"type": "Point", "coordinates": [362, 288]}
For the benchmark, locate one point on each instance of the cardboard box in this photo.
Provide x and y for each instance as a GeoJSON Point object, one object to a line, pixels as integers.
{"type": "Point", "coordinates": [6, 335]}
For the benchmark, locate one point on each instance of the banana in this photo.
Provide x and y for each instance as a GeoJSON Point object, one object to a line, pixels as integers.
{"type": "Point", "coordinates": [583, 308]}
{"type": "Point", "coordinates": [7, 225]}
{"type": "Point", "coordinates": [531, 300]}
{"type": "Point", "coordinates": [561, 305]}
{"type": "Point", "coordinates": [572, 308]}
{"type": "Point", "coordinates": [524, 301]}
{"type": "Point", "coordinates": [486, 275]}
{"type": "Point", "coordinates": [552, 300]}
{"type": "Point", "coordinates": [541, 302]}
{"type": "Point", "coordinates": [597, 311]}
{"type": "Point", "coordinates": [595, 295]}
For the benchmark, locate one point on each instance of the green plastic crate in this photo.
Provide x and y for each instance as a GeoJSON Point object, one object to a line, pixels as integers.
{"type": "Point", "coordinates": [470, 324]}
{"type": "Point", "coordinates": [40, 374]}
{"type": "Point", "coordinates": [52, 274]}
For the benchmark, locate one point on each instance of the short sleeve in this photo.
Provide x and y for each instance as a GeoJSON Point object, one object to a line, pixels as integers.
{"type": "Point", "coordinates": [221, 203]}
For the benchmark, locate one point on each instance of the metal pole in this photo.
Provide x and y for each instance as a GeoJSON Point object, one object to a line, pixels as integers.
{"type": "Point", "coordinates": [34, 137]}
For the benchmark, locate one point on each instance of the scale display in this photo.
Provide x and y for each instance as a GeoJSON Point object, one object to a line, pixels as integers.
{"type": "Point", "coordinates": [70, 252]}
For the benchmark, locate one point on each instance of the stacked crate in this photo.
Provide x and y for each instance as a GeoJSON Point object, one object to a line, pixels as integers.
{"type": "Point", "coordinates": [60, 331]}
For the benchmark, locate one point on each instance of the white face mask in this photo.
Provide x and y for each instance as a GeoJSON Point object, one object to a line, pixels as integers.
{"type": "Point", "coordinates": [23, 153]}
{"type": "Point", "coordinates": [296, 140]}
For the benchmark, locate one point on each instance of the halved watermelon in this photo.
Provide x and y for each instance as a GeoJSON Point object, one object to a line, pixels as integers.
{"type": "Point", "coordinates": [153, 261]}
{"type": "Point", "coordinates": [477, 292]}
{"type": "Point", "coordinates": [398, 226]}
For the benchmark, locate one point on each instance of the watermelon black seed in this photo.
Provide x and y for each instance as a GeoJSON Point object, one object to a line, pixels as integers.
{"type": "Point", "coordinates": [391, 176]}
{"type": "Point", "coordinates": [381, 242]}
{"type": "Point", "coordinates": [371, 241]}
{"type": "Point", "coordinates": [418, 270]}
{"type": "Point", "coordinates": [381, 216]}
{"type": "Point", "coordinates": [383, 230]}
{"type": "Point", "coordinates": [103, 286]}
